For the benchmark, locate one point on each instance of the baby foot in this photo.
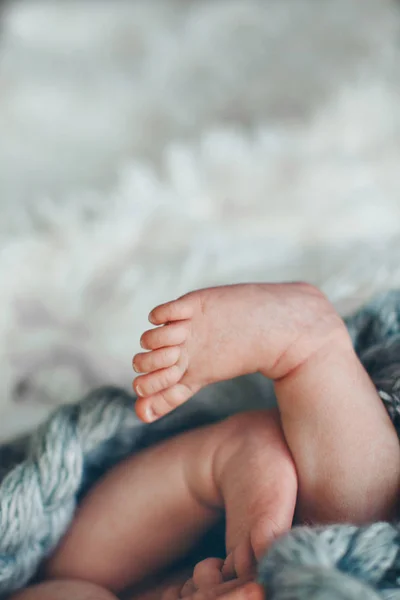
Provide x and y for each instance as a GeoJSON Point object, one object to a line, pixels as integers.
{"type": "Point", "coordinates": [208, 582]}
{"type": "Point", "coordinates": [246, 589]}
{"type": "Point", "coordinates": [219, 333]}
{"type": "Point", "coordinates": [212, 573]}
{"type": "Point", "coordinates": [255, 481]}
{"type": "Point", "coordinates": [207, 575]}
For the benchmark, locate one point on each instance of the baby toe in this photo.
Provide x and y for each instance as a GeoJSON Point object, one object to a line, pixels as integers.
{"type": "Point", "coordinates": [145, 362]}
{"type": "Point", "coordinates": [207, 573]}
{"type": "Point", "coordinates": [156, 406]}
{"type": "Point", "coordinates": [228, 570]}
{"type": "Point", "coordinates": [169, 335]}
{"type": "Point", "coordinates": [244, 562]}
{"type": "Point", "coordinates": [188, 588]}
{"type": "Point", "coordinates": [152, 383]}
{"type": "Point", "coordinates": [176, 310]}
{"type": "Point", "coordinates": [171, 398]}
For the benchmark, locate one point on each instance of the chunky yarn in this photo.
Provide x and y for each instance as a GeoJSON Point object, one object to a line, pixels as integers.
{"type": "Point", "coordinates": [44, 475]}
{"type": "Point", "coordinates": [39, 495]}
{"type": "Point", "coordinates": [337, 562]}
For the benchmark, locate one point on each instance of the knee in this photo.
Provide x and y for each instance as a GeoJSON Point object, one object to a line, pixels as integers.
{"type": "Point", "coordinates": [64, 590]}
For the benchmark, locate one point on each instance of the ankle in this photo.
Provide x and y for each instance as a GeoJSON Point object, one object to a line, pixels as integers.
{"type": "Point", "coordinates": [327, 336]}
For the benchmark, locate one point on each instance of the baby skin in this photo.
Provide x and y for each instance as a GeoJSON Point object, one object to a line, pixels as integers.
{"type": "Point", "coordinates": [334, 423]}
{"type": "Point", "coordinates": [150, 510]}
{"type": "Point", "coordinates": [322, 454]}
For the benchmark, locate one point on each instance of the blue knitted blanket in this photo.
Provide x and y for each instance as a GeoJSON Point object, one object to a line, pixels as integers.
{"type": "Point", "coordinates": [44, 475]}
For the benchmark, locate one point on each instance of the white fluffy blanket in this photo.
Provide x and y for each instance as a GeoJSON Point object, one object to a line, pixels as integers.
{"type": "Point", "coordinates": [148, 148]}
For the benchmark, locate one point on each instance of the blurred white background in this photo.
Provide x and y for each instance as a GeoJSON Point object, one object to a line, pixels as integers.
{"type": "Point", "coordinates": [151, 147]}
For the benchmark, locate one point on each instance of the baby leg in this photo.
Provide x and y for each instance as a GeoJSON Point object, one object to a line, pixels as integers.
{"type": "Point", "coordinates": [64, 590]}
{"type": "Point", "coordinates": [335, 424]}
{"type": "Point", "coordinates": [151, 509]}
{"type": "Point", "coordinates": [80, 590]}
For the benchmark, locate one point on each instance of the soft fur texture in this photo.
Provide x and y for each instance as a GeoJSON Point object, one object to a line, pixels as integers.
{"type": "Point", "coordinates": [148, 148]}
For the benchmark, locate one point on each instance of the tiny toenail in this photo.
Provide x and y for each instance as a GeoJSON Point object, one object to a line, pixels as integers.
{"type": "Point", "coordinates": [139, 390]}
{"type": "Point", "coordinates": [135, 368]}
{"type": "Point", "coordinates": [150, 414]}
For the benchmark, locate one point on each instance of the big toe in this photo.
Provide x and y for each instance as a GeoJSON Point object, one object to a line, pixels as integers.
{"type": "Point", "coordinates": [156, 406]}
